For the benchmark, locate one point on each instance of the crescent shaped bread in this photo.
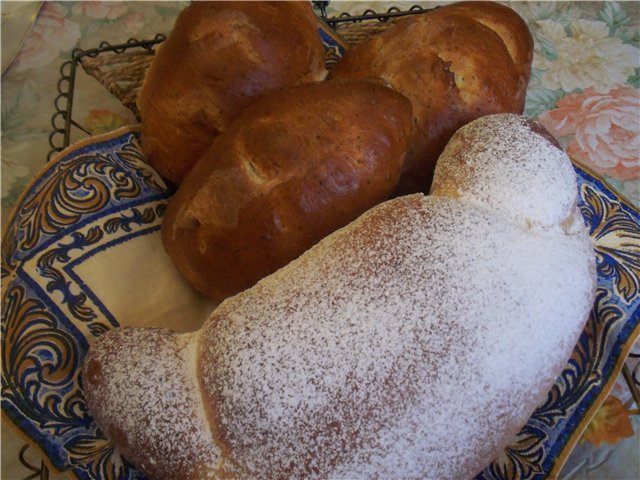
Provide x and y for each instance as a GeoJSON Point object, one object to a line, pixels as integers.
{"type": "Point", "coordinates": [412, 343]}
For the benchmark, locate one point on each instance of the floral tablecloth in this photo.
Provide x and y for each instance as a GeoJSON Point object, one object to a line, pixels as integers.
{"type": "Point", "coordinates": [584, 89]}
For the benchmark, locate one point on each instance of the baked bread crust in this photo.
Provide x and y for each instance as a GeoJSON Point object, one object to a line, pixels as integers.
{"type": "Point", "coordinates": [219, 58]}
{"type": "Point", "coordinates": [292, 168]}
{"type": "Point", "coordinates": [456, 63]}
{"type": "Point", "coordinates": [412, 343]}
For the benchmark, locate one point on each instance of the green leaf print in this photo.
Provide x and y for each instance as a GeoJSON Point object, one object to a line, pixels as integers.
{"type": "Point", "coordinates": [540, 100]}
{"type": "Point", "coordinates": [634, 80]}
{"type": "Point", "coordinates": [561, 12]}
{"type": "Point", "coordinates": [170, 9]}
{"type": "Point", "coordinates": [629, 35]}
{"type": "Point", "coordinates": [11, 195]}
{"type": "Point", "coordinates": [614, 16]}
{"type": "Point", "coordinates": [535, 77]}
{"type": "Point", "coordinates": [19, 102]}
{"type": "Point", "coordinates": [545, 46]}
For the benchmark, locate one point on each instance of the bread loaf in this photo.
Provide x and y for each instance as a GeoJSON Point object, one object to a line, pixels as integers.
{"type": "Point", "coordinates": [219, 58]}
{"type": "Point", "coordinates": [413, 343]}
{"type": "Point", "coordinates": [292, 168]}
{"type": "Point", "coordinates": [455, 63]}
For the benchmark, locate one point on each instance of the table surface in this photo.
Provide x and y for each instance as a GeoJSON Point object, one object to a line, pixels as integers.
{"type": "Point", "coordinates": [584, 89]}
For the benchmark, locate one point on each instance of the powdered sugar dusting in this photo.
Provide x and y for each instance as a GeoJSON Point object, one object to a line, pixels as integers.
{"type": "Point", "coordinates": [144, 395]}
{"type": "Point", "coordinates": [363, 356]}
{"type": "Point", "coordinates": [412, 343]}
{"type": "Point", "coordinates": [499, 162]}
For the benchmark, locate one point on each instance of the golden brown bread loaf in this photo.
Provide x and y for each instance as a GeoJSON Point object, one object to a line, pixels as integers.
{"type": "Point", "coordinates": [456, 63]}
{"type": "Point", "coordinates": [292, 168]}
{"type": "Point", "coordinates": [219, 58]}
{"type": "Point", "coordinates": [413, 343]}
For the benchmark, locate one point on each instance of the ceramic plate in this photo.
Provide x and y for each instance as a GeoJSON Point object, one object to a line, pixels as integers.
{"type": "Point", "coordinates": [82, 255]}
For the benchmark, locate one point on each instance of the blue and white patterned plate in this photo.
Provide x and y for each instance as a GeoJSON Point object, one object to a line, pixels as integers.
{"type": "Point", "coordinates": [545, 442]}
{"type": "Point", "coordinates": [82, 254]}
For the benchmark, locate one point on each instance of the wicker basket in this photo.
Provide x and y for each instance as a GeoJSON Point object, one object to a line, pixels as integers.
{"type": "Point", "coordinates": [122, 73]}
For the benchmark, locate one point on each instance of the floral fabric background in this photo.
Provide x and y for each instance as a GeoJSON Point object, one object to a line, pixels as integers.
{"type": "Point", "coordinates": [584, 88]}
{"type": "Point", "coordinates": [29, 83]}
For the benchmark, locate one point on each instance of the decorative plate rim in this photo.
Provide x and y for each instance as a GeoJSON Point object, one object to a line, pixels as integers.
{"type": "Point", "coordinates": [574, 438]}
{"type": "Point", "coordinates": [561, 455]}
{"type": "Point", "coordinates": [58, 157]}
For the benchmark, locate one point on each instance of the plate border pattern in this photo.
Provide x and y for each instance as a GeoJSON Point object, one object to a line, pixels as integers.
{"type": "Point", "coordinates": [44, 340]}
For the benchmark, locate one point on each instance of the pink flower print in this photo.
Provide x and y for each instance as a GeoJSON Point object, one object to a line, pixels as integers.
{"type": "Point", "coordinates": [101, 10]}
{"type": "Point", "coordinates": [51, 34]}
{"type": "Point", "coordinates": [133, 22]}
{"type": "Point", "coordinates": [605, 129]}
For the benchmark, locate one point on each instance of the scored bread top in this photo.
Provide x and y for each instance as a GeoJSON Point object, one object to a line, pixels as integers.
{"type": "Point", "coordinates": [292, 168]}
{"type": "Point", "coordinates": [219, 58]}
{"type": "Point", "coordinates": [455, 63]}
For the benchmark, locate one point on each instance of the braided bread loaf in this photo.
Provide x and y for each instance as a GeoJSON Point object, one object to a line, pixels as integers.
{"type": "Point", "coordinates": [455, 63]}
{"type": "Point", "coordinates": [412, 343]}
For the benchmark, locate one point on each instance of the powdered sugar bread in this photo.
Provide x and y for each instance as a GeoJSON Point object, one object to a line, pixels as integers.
{"type": "Point", "coordinates": [413, 343]}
